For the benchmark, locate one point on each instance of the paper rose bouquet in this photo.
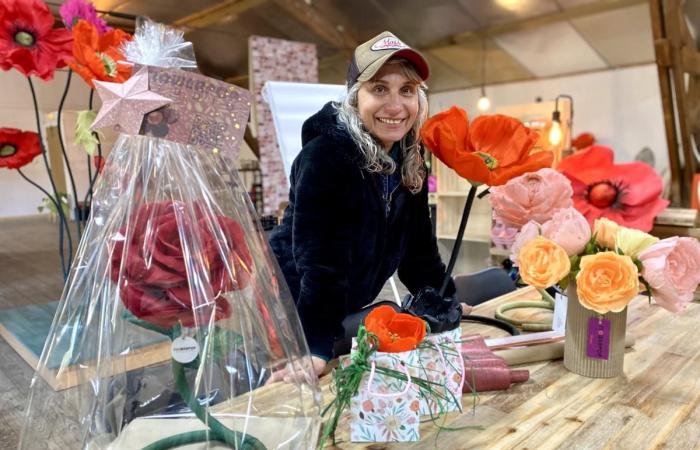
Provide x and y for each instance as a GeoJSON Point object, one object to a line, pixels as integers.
{"type": "Point", "coordinates": [604, 267]}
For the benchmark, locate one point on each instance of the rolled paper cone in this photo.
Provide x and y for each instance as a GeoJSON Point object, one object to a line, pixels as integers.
{"type": "Point", "coordinates": [544, 352]}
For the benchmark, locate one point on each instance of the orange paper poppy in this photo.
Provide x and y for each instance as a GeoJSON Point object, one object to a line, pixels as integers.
{"type": "Point", "coordinates": [397, 332]}
{"type": "Point", "coordinates": [96, 57]}
{"type": "Point", "coordinates": [492, 150]}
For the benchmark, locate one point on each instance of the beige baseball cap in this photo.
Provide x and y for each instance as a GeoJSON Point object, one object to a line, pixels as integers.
{"type": "Point", "coordinates": [369, 57]}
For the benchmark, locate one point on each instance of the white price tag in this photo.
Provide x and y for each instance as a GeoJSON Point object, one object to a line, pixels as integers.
{"type": "Point", "coordinates": [184, 349]}
{"type": "Point", "coordinates": [559, 318]}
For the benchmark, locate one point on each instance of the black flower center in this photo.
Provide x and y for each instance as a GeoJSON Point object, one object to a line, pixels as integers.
{"type": "Point", "coordinates": [24, 38]}
{"type": "Point", "coordinates": [7, 150]}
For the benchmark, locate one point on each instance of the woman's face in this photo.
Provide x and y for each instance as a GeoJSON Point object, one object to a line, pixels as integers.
{"type": "Point", "coordinates": [388, 104]}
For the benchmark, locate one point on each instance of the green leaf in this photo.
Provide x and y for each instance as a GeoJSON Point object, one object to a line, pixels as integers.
{"type": "Point", "coordinates": [84, 136]}
{"type": "Point", "coordinates": [564, 282]}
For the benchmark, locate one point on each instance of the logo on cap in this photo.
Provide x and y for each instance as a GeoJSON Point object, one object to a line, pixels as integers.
{"type": "Point", "coordinates": [388, 43]}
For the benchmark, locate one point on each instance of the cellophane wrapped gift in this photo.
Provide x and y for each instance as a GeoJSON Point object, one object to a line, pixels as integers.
{"type": "Point", "coordinates": [385, 409]}
{"type": "Point", "coordinates": [174, 315]}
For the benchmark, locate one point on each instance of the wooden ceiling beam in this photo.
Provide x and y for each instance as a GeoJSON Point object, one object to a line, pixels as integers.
{"type": "Point", "coordinates": [318, 23]}
{"type": "Point", "coordinates": [215, 14]}
{"type": "Point", "coordinates": [531, 23]}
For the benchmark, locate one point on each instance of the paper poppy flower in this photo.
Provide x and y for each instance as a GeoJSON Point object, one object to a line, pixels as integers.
{"type": "Point", "coordinates": [18, 148]}
{"type": "Point", "coordinates": [397, 332]}
{"type": "Point", "coordinates": [96, 56]}
{"type": "Point", "coordinates": [492, 150]}
{"type": "Point", "coordinates": [628, 194]}
{"type": "Point", "coordinates": [151, 270]}
{"type": "Point", "coordinates": [72, 11]}
{"type": "Point", "coordinates": [28, 41]}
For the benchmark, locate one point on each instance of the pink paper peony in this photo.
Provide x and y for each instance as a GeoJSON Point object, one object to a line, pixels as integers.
{"type": "Point", "coordinates": [568, 228]}
{"type": "Point", "coordinates": [672, 269]}
{"type": "Point", "coordinates": [532, 196]}
{"type": "Point", "coordinates": [527, 233]}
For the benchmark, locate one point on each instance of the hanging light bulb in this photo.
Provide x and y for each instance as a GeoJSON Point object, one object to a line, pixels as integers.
{"type": "Point", "coordinates": [555, 133]}
{"type": "Point", "coordinates": [484, 103]}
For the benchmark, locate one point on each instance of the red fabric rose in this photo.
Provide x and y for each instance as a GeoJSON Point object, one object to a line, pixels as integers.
{"type": "Point", "coordinates": [153, 272]}
{"type": "Point", "coordinates": [28, 41]}
{"type": "Point", "coordinates": [18, 148]}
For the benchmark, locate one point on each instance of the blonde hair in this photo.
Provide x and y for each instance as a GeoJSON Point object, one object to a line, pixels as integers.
{"type": "Point", "coordinates": [376, 159]}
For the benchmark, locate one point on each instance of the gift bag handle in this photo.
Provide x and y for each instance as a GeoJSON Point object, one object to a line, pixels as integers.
{"type": "Point", "coordinates": [378, 394]}
{"type": "Point", "coordinates": [461, 360]}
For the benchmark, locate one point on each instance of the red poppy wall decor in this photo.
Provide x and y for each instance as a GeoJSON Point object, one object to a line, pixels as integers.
{"type": "Point", "coordinates": [628, 194]}
{"type": "Point", "coordinates": [18, 148]}
{"type": "Point", "coordinates": [28, 41]}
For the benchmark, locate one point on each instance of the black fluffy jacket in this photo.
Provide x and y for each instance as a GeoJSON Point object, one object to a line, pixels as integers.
{"type": "Point", "coordinates": [335, 245]}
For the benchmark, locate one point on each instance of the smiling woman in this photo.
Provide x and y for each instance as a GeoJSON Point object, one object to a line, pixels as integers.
{"type": "Point", "coordinates": [358, 203]}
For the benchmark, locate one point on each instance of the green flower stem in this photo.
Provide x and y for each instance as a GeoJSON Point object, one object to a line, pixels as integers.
{"type": "Point", "coordinates": [182, 439]}
{"type": "Point", "coordinates": [546, 297]}
{"type": "Point", "coordinates": [235, 439]}
{"type": "Point", "coordinates": [217, 430]}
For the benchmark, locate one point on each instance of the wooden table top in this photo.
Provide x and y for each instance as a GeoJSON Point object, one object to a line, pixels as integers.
{"type": "Point", "coordinates": [655, 404]}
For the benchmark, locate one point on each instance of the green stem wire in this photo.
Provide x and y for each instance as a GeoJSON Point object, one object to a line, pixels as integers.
{"type": "Point", "coordinates": [235, 439]}
{"type": "Point", "coordinates": [547, 302]}
{"type": "Point", "coordinates": [217, 431]}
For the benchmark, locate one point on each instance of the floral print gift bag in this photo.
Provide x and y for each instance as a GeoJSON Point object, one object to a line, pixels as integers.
{"type": "Point", "coordinates": [385, 409]}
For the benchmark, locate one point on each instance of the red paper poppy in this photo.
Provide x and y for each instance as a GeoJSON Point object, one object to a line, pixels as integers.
{"type": "Point", "coordinates": [583, 140]}
{"type": "Point", "coordinates": [97, 56]}
{"type": "Point", "coordinates": [628, 194]}
{"type": "Point", "coordinates": [18, 148]}
{"type": "Point", "coordinates": [492, 150]}
{"type": "Point", "coordinates": [154, 275]}
{"type": "Point", "coordinates": [397, 332]}
{"type": "Point", "coordinates": [28, 41]}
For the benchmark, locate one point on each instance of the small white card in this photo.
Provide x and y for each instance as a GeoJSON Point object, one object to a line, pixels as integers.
{"type": "Point", "coordinates": [559, 318]}
{"type": "Point", "coordinates": [184, 349]}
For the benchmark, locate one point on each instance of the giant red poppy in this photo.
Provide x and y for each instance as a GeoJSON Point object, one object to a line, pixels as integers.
{"type": "Point", "coordinates": [28, 41]}
{"type": "Point", "coordinates": [18, 148]}
{"type": "Point", "coordinates": [491, 150]}
{"type": "Point", "coordinates": [629, 194]}
{"type": "Point", "coordinates": [153, 273]}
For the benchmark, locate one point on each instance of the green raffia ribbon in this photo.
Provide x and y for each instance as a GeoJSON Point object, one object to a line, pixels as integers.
{"type": "Point", "coordinates": [346, 382]}
{"type": "Point", "coordinates": [547, 303]}
{"type": "Point", "coordinates": [84, 136]}
{"type": "Point", "coordinates": [218, 339]}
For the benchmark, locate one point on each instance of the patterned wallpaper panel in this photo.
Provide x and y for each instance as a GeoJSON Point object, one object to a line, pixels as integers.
{"type": "Point", "coordinates": [276, 60]}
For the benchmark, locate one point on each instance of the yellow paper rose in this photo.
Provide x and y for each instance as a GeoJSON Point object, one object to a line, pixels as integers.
{"type": "Point", "coordinates": [633, 242]}
{"type": "Point", "coordinates": [605, 231]}
{"type": "Point", "coordinates": [543, 263]}
{"type": "Point", "coordinates": [607, 282]}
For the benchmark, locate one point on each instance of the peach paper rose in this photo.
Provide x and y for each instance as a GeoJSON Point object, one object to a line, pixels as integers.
{"type": "Point", "coordinates": [605, 231]}
{"type": "Point", "coordinates": [532, 196]}
{"type": "Point", "coordinates": [607, 282]}
{"type": "Point", "coordinates": [568, 228]}
{"type": "Point", "coordinates": [527, 233]}
{"type": "Point", "coordinates": [543, 263]}
{"type": "Point", "coordinates": [672, 269]}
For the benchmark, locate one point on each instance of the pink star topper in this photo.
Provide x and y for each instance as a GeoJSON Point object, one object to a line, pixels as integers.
{"type": "Point", "coordinates": [125, 104]}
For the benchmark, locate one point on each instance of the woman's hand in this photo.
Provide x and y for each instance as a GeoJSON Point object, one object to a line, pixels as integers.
{"type": "Point", "coordinates": [290, 375]}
